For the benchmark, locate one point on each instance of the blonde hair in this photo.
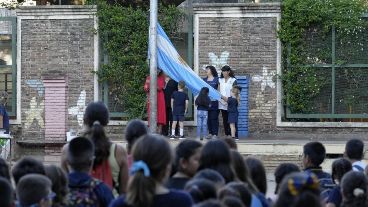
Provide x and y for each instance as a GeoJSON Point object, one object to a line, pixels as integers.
{"type": "Point", "coordinates": [236, 91]}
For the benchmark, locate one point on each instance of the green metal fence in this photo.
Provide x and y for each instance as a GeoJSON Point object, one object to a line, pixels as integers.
{"type": "Point", "coordinates": [341, 63]}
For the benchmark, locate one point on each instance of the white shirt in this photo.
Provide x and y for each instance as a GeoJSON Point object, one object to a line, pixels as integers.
{"type": "Point", "coordinates": [225, 90]}
{"type": "Point", "coordinates": [360, 164]}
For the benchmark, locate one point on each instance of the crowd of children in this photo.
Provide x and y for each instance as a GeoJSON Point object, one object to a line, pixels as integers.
{"type": "Point", "coordinates": [94, 173]}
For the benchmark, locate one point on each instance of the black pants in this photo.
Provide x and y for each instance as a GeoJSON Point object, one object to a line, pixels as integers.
{"type": "Point", "coordinates": [224, 115]}
{"type": "Point", "coordinates": [213, 122]}
{"type": "Point", "coordinates": [166, 130]}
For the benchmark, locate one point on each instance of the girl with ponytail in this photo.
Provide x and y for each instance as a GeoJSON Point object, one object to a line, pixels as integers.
{"type": "Point", "coordinates": [152, 156]}
{"type": "Point", "coordinates": [354, 189]}
{"type": "Point", "coordinates": [110, 163]}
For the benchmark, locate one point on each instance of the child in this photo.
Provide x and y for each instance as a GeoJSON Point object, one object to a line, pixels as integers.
{"type": "Point", "coordinates": [186, 163]}
{"type": "Point", "coordinates": [203, 104]}
{"type": "Point", "coordinates": [201, 190]}
{"type": "Point", "coordinates": [179, 105]}
{"type": "Point", "coordinates": [314, 153]}
{"type": "Point", "coordinates": [4, 169]}
{"type": "Point", "coordinates": [152, 157]}
{"type": "Point", "coordinates": [354, 151]}
{"type": "Point", "coordinates": [6, 193]}
{"type": "Point", "coordinates": [26, 166]}
{"type": "Point", "coordinates": [35, 190]}
{"type": "Point", "coordinates": [135, 129]}
{"type": "Point", "coordinates": [354, 189]}
{"type": "Point", "coordinates": [59, 182]}
{"type": "Point", "coordinates": [232, 109]}
{"type": "Point", "coordinates": [339, 168]}
{"type": "Point", "coordinates": [85, 190]}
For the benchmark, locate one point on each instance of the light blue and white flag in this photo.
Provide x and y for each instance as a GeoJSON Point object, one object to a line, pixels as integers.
{"type": "Point", "coordinates": [169, 60]}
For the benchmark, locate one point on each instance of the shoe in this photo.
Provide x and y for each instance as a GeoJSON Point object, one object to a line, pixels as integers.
{"type": "Point", "coordinates": [172, 136]}
{"type": "Point", "coordinates": [182, 137]}
{"type": "Point", "coordinates": [236, 138]}
{"type": "Point", "coordinates": [214, 137]}
{"type": "Point", "coordinates": [209, 137]}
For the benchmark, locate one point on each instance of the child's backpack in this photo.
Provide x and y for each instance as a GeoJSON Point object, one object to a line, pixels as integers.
{"type": "Point", "coordinates": [84, 196]}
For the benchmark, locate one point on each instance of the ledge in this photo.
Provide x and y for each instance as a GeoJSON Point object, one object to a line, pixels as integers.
{"type": "Point", "coordinates": [39, 144]}
{"type": "Point", "coordinates": [56, 10]}
{"type": "Point", "coordinates": [240, 6]}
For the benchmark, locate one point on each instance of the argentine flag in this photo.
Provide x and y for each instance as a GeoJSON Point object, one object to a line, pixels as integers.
{"type": "Point", "coordinates": [169, 60]}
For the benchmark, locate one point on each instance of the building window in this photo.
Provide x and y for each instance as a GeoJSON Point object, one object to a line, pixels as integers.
{"type": "Point", "coordinates": [8, 66]}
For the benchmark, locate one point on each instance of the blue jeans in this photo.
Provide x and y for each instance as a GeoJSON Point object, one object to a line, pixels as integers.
{"type": "Point", "coordinates": [202, 117]}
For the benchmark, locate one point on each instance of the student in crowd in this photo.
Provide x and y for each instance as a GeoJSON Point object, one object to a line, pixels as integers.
{"type": "Point", "coordinates": [314, 154]}
{"type": "Point", "coordinates": [59, 182]}
{"type": "Point", "coordinates": [232, 110]}
{"type": "Point", "coordinates": [186, 163]}
{"type": "Point", "coordinates": [299, 190]}
{"type": "Point", "coordinates": [85, 190]}
{"type": "Point", "coordinates": [238, 190]}
{"type": "Point", "coordinates": [213, 112]}
{"type": "Point", "coordinates": [232, 201]}
{"type": "Point", "coordinates": [203, 104]}
{"type": "Point", "coordinates": [216, 155]}
{"type": "Point", "coordinates": [26, 166]}
{"type": "Point", "coordinates": [242, 171]}
{"type": "Point", "coordinates": [227, 81]}
{"type": "Point", "coordinates": [354, 189]}
{"type": "Point", "coordinates": [283, 170]}
{"type": "Point", "coordinates": [151, 168]}
{"type": "Point", "coordinates": [231, 143]}
{"type": "Point", "coordinates": [211, 175]}
{"type": "Point", "coordinates": [134, 130]}
{"type": "Point", "coordinates": [258, 176]}
{"type": "Point", "coordinates": [6, 193]}
{"type": "Point", "coordinates": [110, 164]}
{"type": "Point", "coordinates": [354, 151]}
{"type": "Point", "coordinates": [4, 169]}
{"type": "Point", "coordinates": [34, 190]}
{"type": "Point", "coordinates": [170, 87]}
{"type": "Point", "coordinates": [210, 203]}
{"type": "Point", "coordinates": [179, 105]}
{"type": "Point", "coordinates": [201, 190]}
{"type": "Point", "coordinates": [339, 168]}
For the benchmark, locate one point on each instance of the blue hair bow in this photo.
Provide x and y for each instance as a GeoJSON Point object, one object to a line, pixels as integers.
{"type": "Point", "coordinates": [138, 166]}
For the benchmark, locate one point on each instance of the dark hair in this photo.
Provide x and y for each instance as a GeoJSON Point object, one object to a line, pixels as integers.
{"type": "Point", "coordinates": [231, 143]}
{"type": "Point", "coordinates": [32, 188]}
{"type": "Point", "coordinates": [210, 203]}
{"type": "Point", "coordinates": [210, 175]}
{"type": "Point", "coordinates": [299, 190]}
{"type": "Point", "coordinates": [185, 150]}
{"type": "Point", "coordinates": [80, 154]}
{"type": "Point", "coordinates": [339, 168]}
{"type": "Point", "coordinates": [59, 182]}
{"type": "Point", "coordinates": [26, 166]}
{"type": "Point", "coordinates": [181, 84]}
{"type": "Point", "coordinates": [96, 117]}
{"type": "Point", "coordinates": [354, 149]}
{"type": "Point", "coordinates": [6, 193]}
{"type": "Point", "coordinates": [238, 190]}
{"type": "Point", "coordinates": [203, 99]}
{"type": "Point", "coordinates": [216, 155]}
{"type": "Point", "coordinates": [135, 129]}
{"type": "Point", "coordinates": [157, 154]}
{"type": "Point", "coordinates": [201, 190]}
{"type": "Point", "coordinates": [227, 68]}
{"type": "Point", "coordinates": [354, 189]}
{"type": "Point", "coordinates": [232, 201]}
{"type": "Point", "coordinates": [213, 70]}
{"type": "Point", "coordinates": [242, 171]}
{"type": "Point", "coordinates": [316, 153]}
{"type": "Point", "coordinates": [257, 173]}
{"type": "Point", "coordinates": [4, 169]}
{"type": "Point", "coordinates": [281, 171]}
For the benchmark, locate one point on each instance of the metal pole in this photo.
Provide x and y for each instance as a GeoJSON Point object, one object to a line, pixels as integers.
{"type": "Point", "coordinates": [153, 65]}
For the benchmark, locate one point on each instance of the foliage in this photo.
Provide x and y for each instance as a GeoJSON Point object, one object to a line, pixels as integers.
{"type": "Point", "coordinates": [124, 35]}
{"type": "Point", "coordinates": [308, 22]}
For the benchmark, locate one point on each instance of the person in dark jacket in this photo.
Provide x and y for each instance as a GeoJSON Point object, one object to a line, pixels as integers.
{"type": "Point", "coordinates": [170, 87]}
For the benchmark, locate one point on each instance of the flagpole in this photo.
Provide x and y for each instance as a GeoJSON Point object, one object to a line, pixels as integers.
{"type": "Point", "coordinates": [153, 65]}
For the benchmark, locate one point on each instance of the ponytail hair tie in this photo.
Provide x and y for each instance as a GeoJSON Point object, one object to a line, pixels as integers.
{"type": "Point", "coordinates": [297, 184]}
{"type": "Point", "coordinates": [138, 166]}
{"type": "Point", "coordinates": [96, 122]}
{"type": "Point", "coordinates": [358, 192]}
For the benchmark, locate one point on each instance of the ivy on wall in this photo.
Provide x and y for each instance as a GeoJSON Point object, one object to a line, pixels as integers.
{"type": "Point", "coordinates": [309, 22]}
{"type": "Point", "coordinates": [123, 33]}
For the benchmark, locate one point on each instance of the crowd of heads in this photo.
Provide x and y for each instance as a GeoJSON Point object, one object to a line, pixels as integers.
{"type": "Point", "coordinates": [192, 173]}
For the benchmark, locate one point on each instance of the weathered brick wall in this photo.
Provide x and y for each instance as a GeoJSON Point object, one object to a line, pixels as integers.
{"type": "Point", "coordinates": [249, 45]}
{"type": "Point", "coordinates": [55, 45]}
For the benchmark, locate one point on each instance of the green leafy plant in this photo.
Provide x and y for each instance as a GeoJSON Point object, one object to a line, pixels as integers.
{"type": "Point", "coordinates": [124, 37]}
{"type": "Point", "coordinates": [305, 32]}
